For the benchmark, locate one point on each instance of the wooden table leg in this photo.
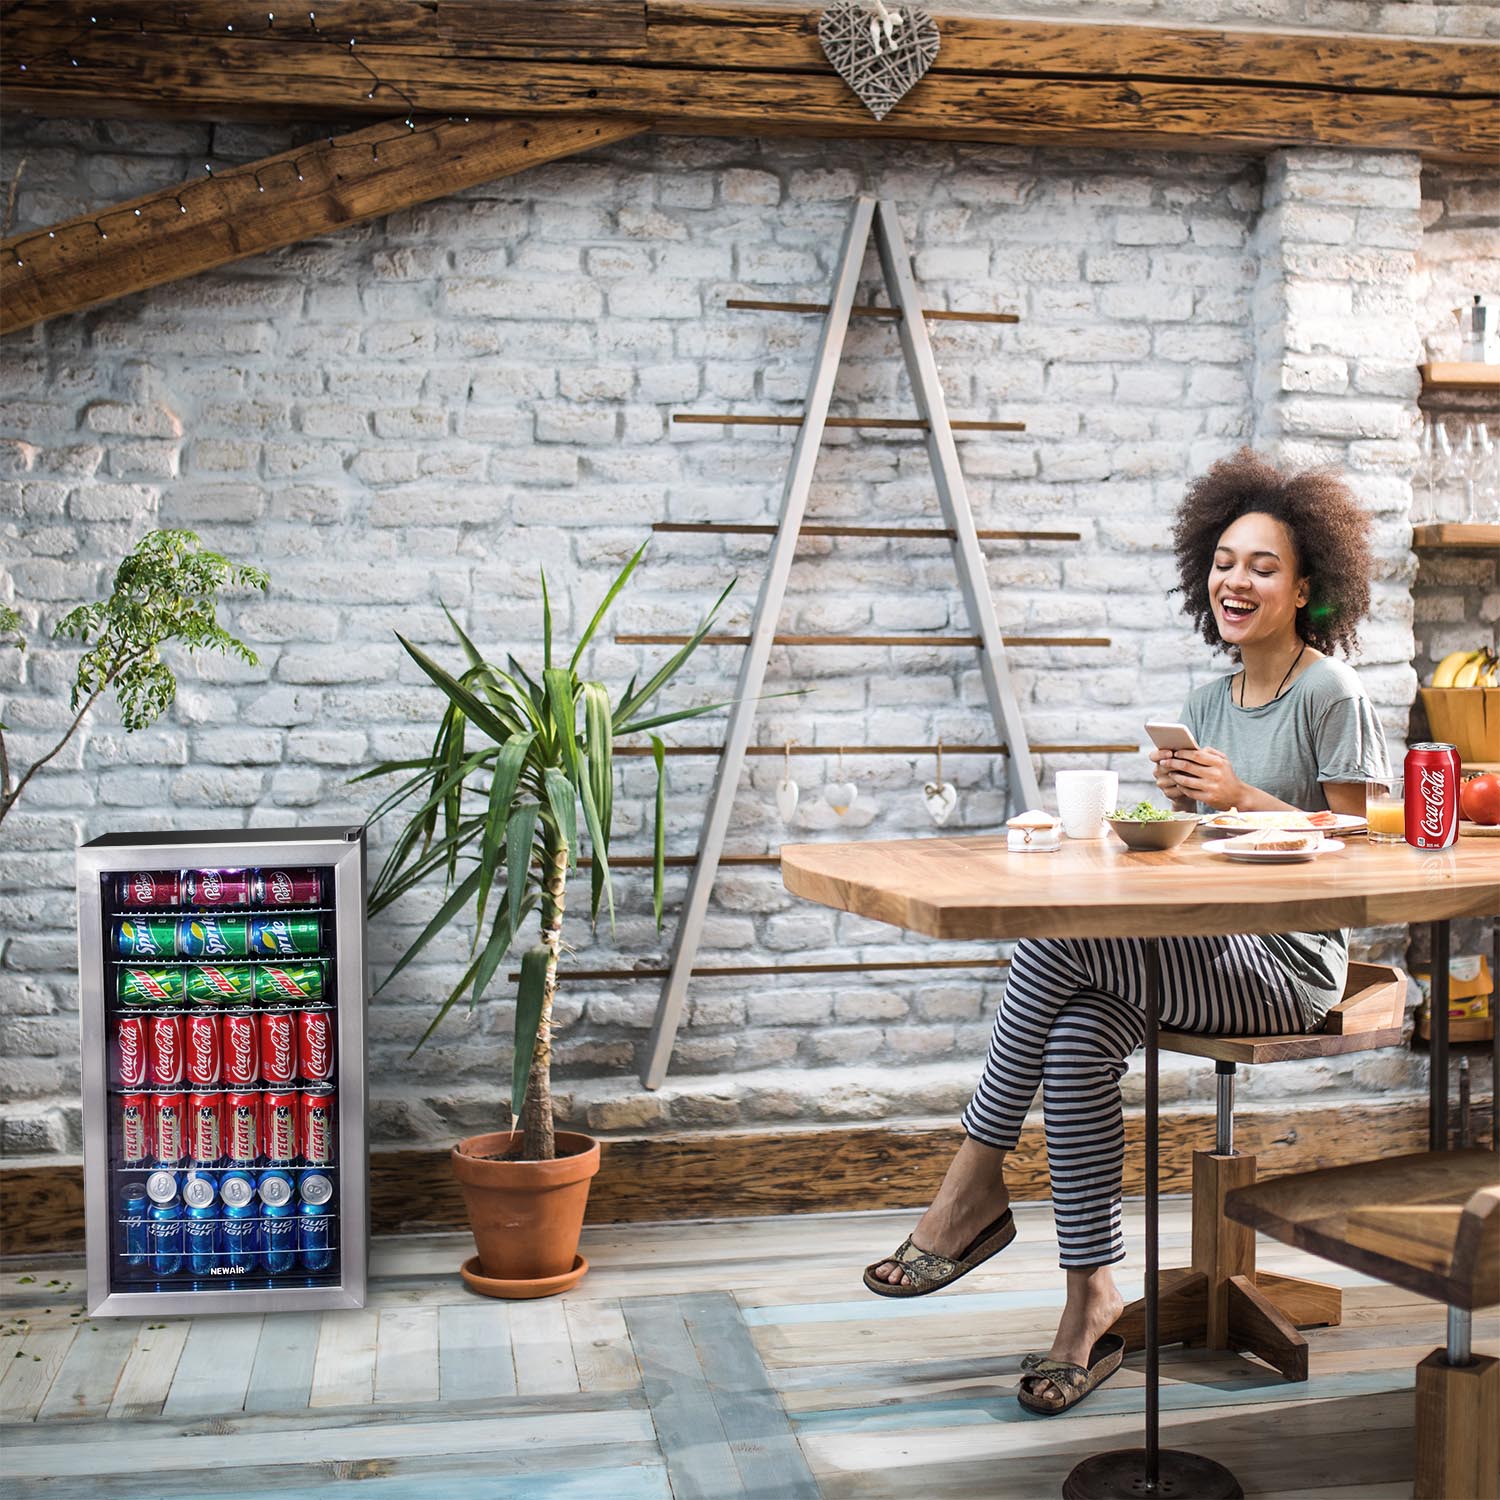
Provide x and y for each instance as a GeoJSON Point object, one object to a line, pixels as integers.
{"type": "Point", "coordinates": [1458, 1439]}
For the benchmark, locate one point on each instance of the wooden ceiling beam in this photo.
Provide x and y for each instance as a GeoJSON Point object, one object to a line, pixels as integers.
{"type": "Point", "coordinates": [315, 189]}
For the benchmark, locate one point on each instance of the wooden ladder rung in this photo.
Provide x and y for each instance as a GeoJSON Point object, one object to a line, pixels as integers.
{"type": "Point", "coordinates": [904, 424]}
{"type": "Point", "coordinates": [735, 971]}
{"type": "Point", "coordinates": [869, 310]}
{"type": "Point", "coordinates": [677, 861]}
{"type": "Point", "coordinates": [642, 751]}
{"type": "Point", "coordinates": [906, 533]}
{"type": "Point", "coordinates": [865, 640]}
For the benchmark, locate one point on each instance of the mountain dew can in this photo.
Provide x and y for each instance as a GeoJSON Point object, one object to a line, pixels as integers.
{"type": "Point", "coordinates": [288, 984]}
{"type": "Point", "coordinates": [145, 937]}
{"type": "Point", "coordinates": [149, 986]}
{"type": "Point", "coordinates": [285, 935]}
{"type": "Point", "coordinates": [220, 984]}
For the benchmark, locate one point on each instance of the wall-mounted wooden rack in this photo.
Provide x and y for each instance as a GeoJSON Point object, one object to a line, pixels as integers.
{"type": "Point", "coordinates": [1455, 536]}
{"type": "Point", "coordinates": [1460, 375]}
{"type": "Point", "coordinates": [866, 640]}
{"type": "Point", "coordinates": [742, 971]}
{"type": "Point", "coordinates": [900, 424]}
{"type": "Point", "coordinates": [866, 310]}
{"type": "Point", "coordinates": [644, 751]}
{"type": "Point", "coordinates": [907, 533]}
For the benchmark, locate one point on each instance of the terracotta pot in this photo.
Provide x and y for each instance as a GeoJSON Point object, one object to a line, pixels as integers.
{"type": "Point", "coordinates": [526, 1215]}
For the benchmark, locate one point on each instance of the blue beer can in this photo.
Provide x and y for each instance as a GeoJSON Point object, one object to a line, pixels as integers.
{"type": "Point", "coordinates": [133, 1206]}
{"type": "Point", "coordinates": [278, 1227]}
{"type": "Point", "coordinates": [275, 1186]}
{"type": "Point", "coordinates": [237, 1187]}
{"type": "Point", "coordinates": [315, 1235]}
{"type": "Point", "coordinates": [241, 1226]}
{"type": "Point", "coordinates": [164, 1238]}
{"type": "Point", "coordinates": [200, 1228]}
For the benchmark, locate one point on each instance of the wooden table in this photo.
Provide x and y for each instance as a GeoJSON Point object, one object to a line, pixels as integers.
{"type": "Point", "coordinates": [975, 888]}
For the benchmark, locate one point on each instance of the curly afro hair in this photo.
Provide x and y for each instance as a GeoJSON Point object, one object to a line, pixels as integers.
{"type": "Point", "coordinates": [1329, 530]}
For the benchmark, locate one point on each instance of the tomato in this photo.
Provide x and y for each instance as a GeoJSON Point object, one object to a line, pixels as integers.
{"type": "Point", "coordinates": [1480, 799]}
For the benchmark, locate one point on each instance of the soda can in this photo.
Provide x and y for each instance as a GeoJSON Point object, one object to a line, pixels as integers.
{"type": "Point", "coordinates": [135, 1129]}
{"type": "Point", "coordinates": [165, 1047]}
{"type": "Point", "coordinates": [205, 1129]}
{"type": "Point", "coordinates": [213, 937]}
{"type": "Point", "coordinates": [144, 937]}
{"type": "Point", "coordinates": [201, 1044]}
{"type": "Point", "coordinates": [161, 1187]}
{"type": "Point", "coordinates": [288, 984]}
{"type": "Point", "coordinates": [220, 984]}
{"type": "Point", "coordinates": [275, 1186]}
{"type": "Point", "coordinates": [314, 1187]}
{"type": "Point", "coordinates": [285, 935]}
{"type": "Point", "coordinates": [315, 1235]}
{"type": "Point", "coordinates": [316, 1127]}
{"type": "Point", "coordinates": [148, 888]}
{"type": "Point", "coordinates": [237, 1188]}
{"type": "Point", "coordinates": [278, 1237]}
{"type": "Point", "coordinates": [200, 1228]}
{"type": "Point", "coordinates": [286, 888]}
{"type": "Point", "coordinates": [1431, 777]}
{"type": "Point", "coordinates": [239, 1048]}
{"type": "Point", "coordinates": [278, 1129]}
{"type": "Point", "coordinates": [241, 1225]}
{"type": "Point", "coordinates": [241, 1129]}
{"type": "Point", "coordinates": [149, 986]}
{"type": "Point", "coordinates": [130, 1051]}
{"type": "Point", "coordinates": [315, 1045]}
{"type": "Point", "coordinates": [164, 1238]}
{"type": "Point", "coordinates": [278, 1046]}
{"type": "Point", "coordinates": [216, 888]}
{"type": "Point", "coordinates": [169, 1129]}
{"type": "Point", "coordinates": [133, 1222]}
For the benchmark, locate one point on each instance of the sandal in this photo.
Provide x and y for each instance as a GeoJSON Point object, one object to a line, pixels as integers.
{"type": "Point", "coordinates": [927, 1271]}
{"type": "Point", "coordinates": [1071, 1382]}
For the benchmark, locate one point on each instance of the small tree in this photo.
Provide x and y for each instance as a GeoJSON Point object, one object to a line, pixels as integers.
{"type": "Point", "coordinates": [165, 590]}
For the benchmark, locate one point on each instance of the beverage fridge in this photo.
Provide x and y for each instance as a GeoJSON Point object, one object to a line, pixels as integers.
{"type": "Point", "coordinates": [222, 981]}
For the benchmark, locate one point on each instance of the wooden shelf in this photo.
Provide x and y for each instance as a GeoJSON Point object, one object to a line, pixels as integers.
{"type": "Point", "coordinates": [642, 751]}
{"type": "Point", "coordinates": [865, 640]}
{"type": "Point", "coordinates": [1455, 536]}
{"type": "Point", "coordinates": [865, 310]}
{"type": "Point", "coordinates": [1460, 375]}
{"type": "Point", "coordinates": [1461, 1029]}
{"type": "Point", "coordinates": [908, 533]}
{"type": "Point", "coordinates": [895, 424]}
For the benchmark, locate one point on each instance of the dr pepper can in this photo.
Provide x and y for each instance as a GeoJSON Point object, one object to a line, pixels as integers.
{"type": "Point", "coordinates": [1432, 772]}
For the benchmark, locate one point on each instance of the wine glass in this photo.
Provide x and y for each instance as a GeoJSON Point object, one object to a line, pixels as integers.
{"type": "Point", "coordinates": [1423, 491]}
{"type": "Point", "coordinates": [1450, 468]}
{"type": "Point", "coordinates": [1480, 449]}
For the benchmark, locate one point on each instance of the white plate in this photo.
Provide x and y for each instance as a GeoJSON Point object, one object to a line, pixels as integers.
{"type": "Point", "coordinates": [1343, 823]}
{"type": "Point", "coordinates": [1277, 856]}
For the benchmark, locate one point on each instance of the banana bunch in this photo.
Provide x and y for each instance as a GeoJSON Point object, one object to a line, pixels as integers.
{"type": "Point", "coordinates": [1460, 669]}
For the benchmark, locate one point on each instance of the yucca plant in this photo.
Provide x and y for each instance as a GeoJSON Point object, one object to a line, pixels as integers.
{"type": "Point", "coordinates": [497, 813]}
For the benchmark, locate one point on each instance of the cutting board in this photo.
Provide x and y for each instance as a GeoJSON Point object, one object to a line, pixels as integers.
{"type": "Point", "coordinates": [1479, 830]}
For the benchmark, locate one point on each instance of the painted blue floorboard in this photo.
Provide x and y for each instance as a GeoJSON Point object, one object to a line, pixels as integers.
{"type": "Point", "coordinates": [633, 1483]}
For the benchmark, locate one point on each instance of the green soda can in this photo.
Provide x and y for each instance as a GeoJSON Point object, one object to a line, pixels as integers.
{"type": "Point", "coordinates": [208, 936]}
{"type": "Point", "coordinates": [281, 936]}
{"type": "Point", "coordinates": [214, 984]}
{"type": "Point", "coordinates": [288, 984]}
{"type": "Point", "coordinates": [145, 937]}
{"type": "Point", "coordinates": [149, 986]}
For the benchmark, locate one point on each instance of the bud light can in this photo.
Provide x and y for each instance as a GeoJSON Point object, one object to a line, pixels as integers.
{"type": "Point", "coordinates": [149, 986]}
{"type": "Point", "coordinates": [148, 888]}
{"type": "Point", "coordinates": [220, 984]}
{"type": "Point", "coordinates": [314, 1187]}
{"type": "Point", "coordinates": [288, 984]}
{"type": "Point", "coordinates": [130, 1051]}
{"type": "Point", "coordinates": [241, 1129]}
{"type": "Point", "coordinates": [135, 1129]}
{"type": "Point", "coordinates": [216, 888]}
{"type": "Point", "coordinates": [315, 1045]}
{"type": "Point", "coordinates": [275, 1186]}
{"type": "Point", "coordinates": [202, 1062]}
{"type": "Point", "coordinates": [239, 1048]}
{"type": "Point", "coordinates": [285, 936]}
{"type": "Point", "coordinates": [278, 1237]}
{"type": "Point", "coordinates": [278, 1128]}
{"type": "Point", "coordinates": [315, 1234]}
{"type": "Point", "coordinates": [286, 888]}
{"type": "Point", "coordinates": [213, 937]}
{"type": "Point", "coordinates": [169, 1129]}
{"type": "Point", "coordinates": [144, 937]}
{"type": "Point", "coordinates": [164, 1238]}
{"type": "Point", "coordinates": [200, 1228]}
{"type": "Point", "coordinates": [1432, 772]}
{"type": "Point", "coordinates": [278, 1046]}
{"type": "Point", "coordinates": [237, 1187]}
{"type": "Point", "coordinates": [133, 1222]}
{"type": "Point", "coordinates": [205, 1129]}
{"type": "Point", "coordinates": [165, 1047]}
{"type": "Point", "coordinates": [161, 1187]}
{"type": "Point", "coordinates": [241, 1223]}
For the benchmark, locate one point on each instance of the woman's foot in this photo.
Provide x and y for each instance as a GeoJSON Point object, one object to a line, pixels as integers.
{"type": "Point", "coordinates": [1093, 1304]}
{"type": "Point", "coordinates": [972, 1197]}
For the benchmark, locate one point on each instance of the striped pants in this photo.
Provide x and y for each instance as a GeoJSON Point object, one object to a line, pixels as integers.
{"type": "Point", "coordinates": [1072, 1012]}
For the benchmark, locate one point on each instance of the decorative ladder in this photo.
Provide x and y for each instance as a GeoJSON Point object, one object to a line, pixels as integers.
{"type": "Point", "coordinates": [921, 367]}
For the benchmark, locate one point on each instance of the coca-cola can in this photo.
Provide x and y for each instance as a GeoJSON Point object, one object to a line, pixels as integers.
{"type": "Point", "coordinates": [278, 1046]}
{"type": "Point", "coordinates": [164, 1050]}
{"type": "Point", "coordinates": [216, 888]}
{"type": "Point", "coordinates": [241, 1129]}
{"type": "Point", "coordinates": [240, 1050]}
{"type": "Point", "coordinates": [147, 888]}
{"type": "Point", "coordinates": [285, 888]}
{"type": "Point", "coordinates": [169, 1130]}
{"type": "Point", "coordinates": [130, 1051]}
{"type": "Point", "coordinates": [316, 1127]}
{"type": "Point", "coordinates": [201, 1034]}
{"type": "Point", "coordinates": [205, 1129]}
{"type": "Point", "coordinates": [135, 1128]}
{"type": "Point", "coordinates": [278, 1128]}
{"type": "Point", "coordinates": [1432, 774]}
{"type": "Point", "coordinates": [315, 1045]}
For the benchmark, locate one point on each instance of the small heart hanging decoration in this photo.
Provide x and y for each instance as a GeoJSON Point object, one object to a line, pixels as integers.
{"type": "Point", "coordinates": [941, 798]}
{"type": "Point", "coordinates": [881, 57]}
{"type": "Point", "coordinates": [787, 790]}
{"type": "Point", "coordinates": [840, 794]}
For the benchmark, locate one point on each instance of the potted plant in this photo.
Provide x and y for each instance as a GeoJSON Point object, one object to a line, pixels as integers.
{"type": "Point", "coordinates": [520, 773]}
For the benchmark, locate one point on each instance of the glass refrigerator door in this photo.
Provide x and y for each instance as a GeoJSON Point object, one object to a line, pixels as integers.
{"type": "Point", "coordinates": [221, 1022]}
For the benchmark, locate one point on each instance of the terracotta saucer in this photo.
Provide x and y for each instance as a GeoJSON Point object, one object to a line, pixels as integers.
{"type": "Point", "coordinates": [542, 1286]}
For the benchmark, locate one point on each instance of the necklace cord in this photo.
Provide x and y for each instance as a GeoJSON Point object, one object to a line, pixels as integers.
{"type": "Point", "coordinates": [1281, 686]}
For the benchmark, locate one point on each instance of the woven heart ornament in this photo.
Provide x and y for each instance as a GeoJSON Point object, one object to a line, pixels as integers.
{"type": "Point", "coordinates": [881, 63]}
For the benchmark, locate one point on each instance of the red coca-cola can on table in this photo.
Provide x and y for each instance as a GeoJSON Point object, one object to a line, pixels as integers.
{"type": "Point", "coordinates": [135, 1128]}
{"type": "Point", "coordinates": [315, 1045]}
{"type": "Point", "coordinates": [201, 1040]}
{"type": "Point", "coordinates": [148, 888]}
{"type": "Point", "coordinates": [216, 888]}
{"type": "Point", "coordinates": [285, 888]}
{"type": "Point", "coordinates": [169, 1129]}
{"type": "Point", "coordinates": [278, 1046]}
{"type": "Point", "coordinates": [205, 1129]}
{"type": "Point", "coordinates": [241, 1128]}
{"type": "Point", "coordinates": [278, 1127]}
{"type": "Point", "coordinates": [165, 1048]}
{"type": "Point", "coordinates": [130, 1051]}
{"type": "Point", "coordinates": [240, 1048]}
{"type": "Point", "coordinates": [1432, 773]}
{"type": "Point", "coordinates": [316, 1127]}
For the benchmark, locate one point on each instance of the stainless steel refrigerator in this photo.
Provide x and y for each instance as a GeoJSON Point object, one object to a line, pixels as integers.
{"type": "Point", "coordinates": [222, 985]}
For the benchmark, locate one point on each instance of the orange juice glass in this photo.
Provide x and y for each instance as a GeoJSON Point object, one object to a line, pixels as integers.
{"type": "Point", "coordinates": [1385, 811]}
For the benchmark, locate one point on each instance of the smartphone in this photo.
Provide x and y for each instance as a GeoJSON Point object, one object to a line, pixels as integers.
{"type": "Point", "coordinates": [1170, 736]}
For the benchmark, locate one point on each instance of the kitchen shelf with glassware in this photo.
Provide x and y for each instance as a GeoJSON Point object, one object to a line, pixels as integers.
{"type": "Point", "coordinates": [1455, 536]}
{"type": "Point", "coordinates": [1457, 480]}
{"type": "Point", "coordinates": [1460, 375]}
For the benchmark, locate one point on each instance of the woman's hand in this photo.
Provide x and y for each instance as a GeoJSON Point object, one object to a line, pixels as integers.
{"type": "Point", "coordinates": [1168, 783]}
{"type": "Point", "coordinates": [1205, 775]}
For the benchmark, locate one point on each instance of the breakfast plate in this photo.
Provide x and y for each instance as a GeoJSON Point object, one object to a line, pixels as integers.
{"type": "Point", "coordinates": [1218, 825]}
{"type": "Point", "coordinates": [1277, 856]}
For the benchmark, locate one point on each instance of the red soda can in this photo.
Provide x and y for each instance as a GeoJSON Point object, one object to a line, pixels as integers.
{"type": "Point", "coordinates": [165, 1049]}
{"type": "Point", "coordinates": [135, 1128]}
{"type": "Point", "coordinates": [130, 1051]}
{"type": "Point", "coordinates": [148, 888]}
{"type": "Point", "coordinates": [169, 1130]}
{"type": "Point", "coordinates": [205, 1129]}
{"type": "Point", "coordinates": [241, 1129]}
{"type": "Point", "coordinates": [216, 888]}
{"type": "Point", "coordinates": [1432, 772]}
{"type": "Point", "coordinates": [201, 1034]}
{"type": "Point", "coordinates": [286, 888]}
{"type": "Point", "coordinates": [318, 1110]}
{"type": "Point", "coordinates": [315, 1045]}
{"type": "Point", "coordinates": [278, 1128]}
{"type": "Point", "coordinates": [278, 1046]}
{"type": "Point", "coordinates": [240, 1052]}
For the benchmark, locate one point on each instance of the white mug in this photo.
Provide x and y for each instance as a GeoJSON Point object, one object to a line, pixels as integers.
{"type": "Point", "coordinates": [1083, 799]}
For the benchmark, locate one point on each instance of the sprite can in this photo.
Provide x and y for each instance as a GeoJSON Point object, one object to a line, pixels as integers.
{"type": "Point", "coordinates": [288, 984]}
{"type": "Point", "coordinates": [149, 986]}
{"type": "Point", "coordinates": [145, 937]}
{"type": "Point", "coordinates": [285, 935]}
{"type": "Point", "coordinates": [207, 936]}
{"type": "Point", "coordinates": [214, 984]}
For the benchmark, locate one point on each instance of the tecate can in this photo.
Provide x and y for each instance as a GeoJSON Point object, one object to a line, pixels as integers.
{"type": "Point", "coordinates": [149, 986]}
{"type": "Point", "coordinates": [130, 1051]}
{"type": "Point", "coordinates": [164, 1238]}
{"type": "Point", "coordinates": [144, 937]}
{"type": "Point", "coordinates": [316, 1127]}
{"type": "Point", "coordinates": [286, 888]}
{"type": "Point", "coordinates": [133, 1222]}
{"type": "Point", "coordinates": [205, 1129]}
{"type": "Point", "coordinates": [289, 984]}
{"type": "Point", "coordinates": [241, 1129]}
{"type": "Point", "coordinates": [1432, 773]}
{"type": "Point", "coordinates": [216, 888]}
{"type": "Point", "coordinates": [315, 1235]}
{"type": "Point", "coordinates": [135, 1128]}
{"type": "Point", "coordinates": [278, 1129]}
{"type": "Point", "coordinates": [314, 1187]}
{"type": "Point", "coordinates": [237, 1188]}
{"type": "Point", "coordinates": [278, 1046]}
{"type": "Point", "coordinates": [240, 1046]}
{"type": "Point", "coordinates": [161, 1187]}
{"type": "Point", "coordinates": [148, 888]}
{"type": "Point", "coordinates": [200, 1227]}
{"type": "Point", "coordinates": [213, 937]}
{"type": "Point", "coordinates": [164, 1049]}
{"type": "Point", "coordinates": [220, 984]}
{"type": "Point", "coordinates": [240, 1224]}
{"type": "Point", "coordinates": [285, 936]}
{"type": "Point", "coordinates": [169, 1129]}
{"type": "Point", "coordinates": [200, 1032]}
{"type": "Point", "coordinates": [315, 1045]}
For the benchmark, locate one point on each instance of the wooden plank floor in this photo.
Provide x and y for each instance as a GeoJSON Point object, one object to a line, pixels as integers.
{"type": "Point", "coordinates": [714, 1360]}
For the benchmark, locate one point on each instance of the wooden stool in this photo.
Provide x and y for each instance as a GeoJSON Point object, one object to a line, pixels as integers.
{"type": "Point", "coordinates": [1222, 1300]}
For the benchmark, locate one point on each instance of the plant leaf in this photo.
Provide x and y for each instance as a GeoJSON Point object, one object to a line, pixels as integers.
{"type": "Point", "coordinates": [603, 609]}
{"type": "Point", "coordinates": [673, 664]}
{"type": "Point", "coordinates": [599, 753]}
{"type": "Point", "coordinates": [508, 764]}
{"type": "Point", "coordinates": [484, 718]}
{"type": "Point", "coordinates": [559, 683]}
{"type": "Point", "coordinates": [519, 833]}
{"type": "Point", "coordinates": [546, 624]}
{"type": "Point", "coordinates": [659, 839]}
{"type": "Point", "coordinates": [562, 797]}
{"type": "Point", "coordinates": [446, 912]}
{"type": "Point", "coordinates": [447, 1005]}
{"type": "Point", "coordinates": [529, 994]}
